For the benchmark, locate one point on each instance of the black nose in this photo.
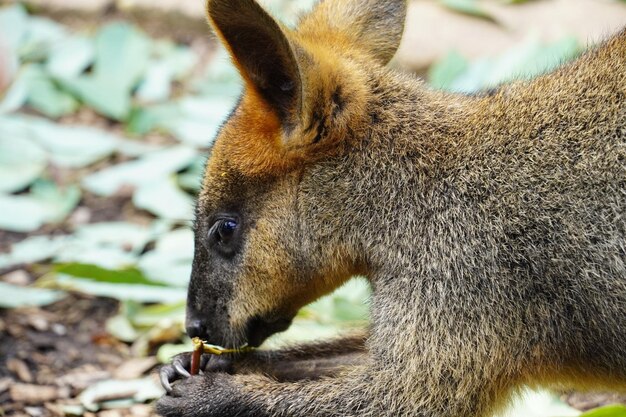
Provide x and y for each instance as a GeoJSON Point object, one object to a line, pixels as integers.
{"type": "Point", "coordinates": [195, 328]}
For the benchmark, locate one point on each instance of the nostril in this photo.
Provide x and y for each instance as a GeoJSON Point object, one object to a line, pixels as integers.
{"type": "Point", "coordinates": [194, 328]}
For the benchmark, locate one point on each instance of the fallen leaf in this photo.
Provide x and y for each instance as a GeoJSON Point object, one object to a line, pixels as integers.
{"type": "Point", "coordinates": [70, 146]}
{"type": "Point", "coordinates": [136, 292]}
{"type": "Point", "coordinates": [21, 161]}
{"type": "Point", "coordinates": [121, 57]}
{"type": "Point", "coordinates": [36, 394]}
{"type": "Point", "coordinates": [165, 199]}
{"type": "Point", "coordinates": [468, 7]}
{"type": "Point", "coordinates": [20, 369]}
{"type": "Point", "coordinates": [121, 328]}
{"type": "Point", "coordinates": [167, 351]}
{"type": "Point", "coordinates": [14, 296]}
{"type": "Point", "coordinates": [150, 168]}
{"type": "Point", "coordinates": [46, 203]}
{"type": "Point", "coordinates": [33, 249]}
{"type": "Point", "coordinates": [135, 368]}
{"type": "Point", "coordinates": [139, 390]}
{"type": "Point", "coordinates": [71, 57]}
{"type": "Point", "coordinates": [170, 261]}
{"type": "Point", "coordinates": [44, 95]}
{"type": "Point", "coordinates": [41, 33]}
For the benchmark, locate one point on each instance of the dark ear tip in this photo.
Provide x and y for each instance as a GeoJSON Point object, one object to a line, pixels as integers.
{"type": "Point", "coordinates": [213, 6]}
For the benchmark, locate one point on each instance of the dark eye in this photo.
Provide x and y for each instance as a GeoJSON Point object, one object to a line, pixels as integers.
{"type": "Point", "coordinates": [223, 234]}
{"type": "Point", "coordinates": [226, 230]}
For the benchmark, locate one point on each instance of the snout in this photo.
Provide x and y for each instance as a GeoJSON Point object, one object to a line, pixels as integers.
{"type": "Point", "coordinates": [210, 327]}
{"type": "Point", "coordinates": [195, 328]}
{"type": "Point", "coordinates": [256, 331]}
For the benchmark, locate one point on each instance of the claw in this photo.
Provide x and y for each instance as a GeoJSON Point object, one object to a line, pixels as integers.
{"type": "Point", "coordinates": [165, 374]}
{"type": "Point", "coordinates": [180, 366]}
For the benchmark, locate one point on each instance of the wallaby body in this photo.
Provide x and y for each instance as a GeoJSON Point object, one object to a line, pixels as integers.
{"type": "Point", "coordinates": [492, 228]}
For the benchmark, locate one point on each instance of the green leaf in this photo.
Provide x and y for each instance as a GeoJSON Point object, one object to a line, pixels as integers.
{"type": "Point", "coordinates": [96, 273]}
{"type": "Point", "coordinates": [167, 351]}
{"type": "Point", "coordinates": [122, 55]}
{"type": "Point", "coordinates": [172, 62]}
{"type": "Point", "coordinates": [13, 22]}
{"type": "Point", "coordinates": [108, 257]}
{"type": "Point", "coordinates": [45, 96]}
{"type": "Point", "coordinates": [442, 74]}
{"type": "Point", "coordinates": [21, 161]}
{"type": "Point", "coordinates": [103, 95]}
{"type": "Point", "coordinates": [41, 34]}
{"type": "Point", "coordinates": [45, 204]}
{"type": "Point", "coordinates": [70, 146]}
{"type": "Point", "coordinates": [152, 167]}
{"type": "Point", "coordinates": [157, 84]}
{"type": "Point", "coordinates": [70, 58]}
{"type": "Point", "coordinates": [120, 234]}
{"type": "Point", "coordinates": [349, 303]}
{"type": "Point", "coordinates": [221, 70]}
{"type": "Point", "coordinates": [170, 261]}
{"type": "Point", "coordinates": [111, 245]}
{"type": "Point", "coordinates": [13, 25]}
{"type": "Point", "coordinates": [121, 328]}
{"type": "Point", "coordinates": [608, 411]}
{"type": "Point", "coordinates": [191, 179]}
{"type": "Point", "coordinates": [468, 7]}
{"type": "Point", "coordinates": [137, 292]}
{"type": "Point", "coordinates": [525, 61]}
{"type": "Point", "coordinates": [141, 120]}
{"type": "Point", "coordinates": [17, 94]}
{"type": "Point", "coordinates": [303, 331]}
{"type": "Point", "coordinates": [152, 315]}
{"type": "Point", "coordinates": [32, 249]}
{"type": "Point", "coordinates": [165, 199]}
{"type": "Point", "coordinates": [14, 296]}
{"type": "Point", "coordinates": [199, 119]}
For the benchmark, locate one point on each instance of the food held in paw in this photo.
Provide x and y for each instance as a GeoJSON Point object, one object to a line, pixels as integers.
{"type": "Point", "coordinates": [200, 347]}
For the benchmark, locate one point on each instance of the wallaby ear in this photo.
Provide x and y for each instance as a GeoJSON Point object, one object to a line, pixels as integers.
{"type": "Point", "coordinates": [373, 26]}
{"type": "Point", "coordinates": [261, 51]}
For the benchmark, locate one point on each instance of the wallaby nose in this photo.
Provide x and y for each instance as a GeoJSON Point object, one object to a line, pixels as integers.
{"type": "Point", "coordinates": [195, 328]}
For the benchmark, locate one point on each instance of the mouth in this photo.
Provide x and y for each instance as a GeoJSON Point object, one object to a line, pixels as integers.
{"type": "Point", "coordinates": [258, 329]}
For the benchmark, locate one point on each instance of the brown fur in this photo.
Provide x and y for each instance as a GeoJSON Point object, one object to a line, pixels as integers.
{"type": "Point", "coordinates": [492, 229]}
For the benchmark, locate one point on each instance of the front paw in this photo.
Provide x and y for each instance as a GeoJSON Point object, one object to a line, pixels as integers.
{"type": "Point", "coordinates": [208, 395]}
{"type": "Point", "coordinates": [181, 364]}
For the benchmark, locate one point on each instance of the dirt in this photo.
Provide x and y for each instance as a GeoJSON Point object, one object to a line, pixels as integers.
{"type": "Point", "coordinates": [51, 354]}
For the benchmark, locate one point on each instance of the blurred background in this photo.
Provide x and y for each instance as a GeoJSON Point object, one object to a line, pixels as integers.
{"type": "Point", "coordinates": [106, 110]}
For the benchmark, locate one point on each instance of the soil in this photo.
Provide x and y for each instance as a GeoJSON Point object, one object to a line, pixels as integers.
{"type": "Point", "coordinates": [52, 354]}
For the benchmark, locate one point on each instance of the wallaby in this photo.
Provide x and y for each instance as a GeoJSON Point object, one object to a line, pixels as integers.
{"type": "Point", "coordinates": [492, 228]}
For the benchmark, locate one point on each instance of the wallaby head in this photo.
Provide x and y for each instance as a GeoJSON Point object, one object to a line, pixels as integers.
{"type": "Point", "coordinates": [259, 254]}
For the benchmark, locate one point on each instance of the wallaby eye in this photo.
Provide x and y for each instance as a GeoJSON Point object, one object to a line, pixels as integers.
{"type": "Point", "coordinates": [223, 234]}
{"type": "Point", "coordinates": [226, 230]}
